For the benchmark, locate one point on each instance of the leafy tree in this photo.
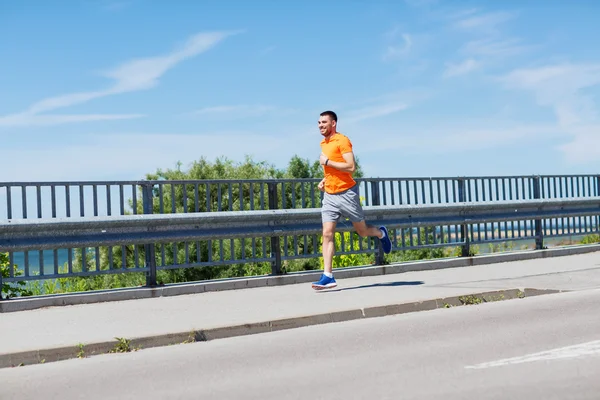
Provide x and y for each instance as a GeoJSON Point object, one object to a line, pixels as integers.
{"type": "Point", "coordinates": [300, 168]}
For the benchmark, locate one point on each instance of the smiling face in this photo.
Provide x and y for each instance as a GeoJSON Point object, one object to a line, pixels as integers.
{"type": "Point", "coordinates": [327, 125]}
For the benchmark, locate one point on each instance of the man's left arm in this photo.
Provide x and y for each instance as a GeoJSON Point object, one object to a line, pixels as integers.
{"type": "Point", "coordinates": [348, 165]}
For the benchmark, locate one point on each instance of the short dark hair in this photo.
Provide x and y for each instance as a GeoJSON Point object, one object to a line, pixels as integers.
{"type": "Point", "coordinates": [330, 114]}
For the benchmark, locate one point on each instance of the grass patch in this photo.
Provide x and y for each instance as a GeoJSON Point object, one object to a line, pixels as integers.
{"type": "Point", "coordinates": [123, 345]}
{"type": "Point", "coordinates": [470, 299]}
{"type": "Point", "coordinates": [81, 352]}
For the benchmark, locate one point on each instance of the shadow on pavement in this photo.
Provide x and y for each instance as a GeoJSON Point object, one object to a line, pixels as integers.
{"type": "Point", "coordinates": [387, 284]}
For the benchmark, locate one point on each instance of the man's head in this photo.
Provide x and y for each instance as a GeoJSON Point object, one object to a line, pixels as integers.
{"type": "Point", "coordinates": [327, 123]}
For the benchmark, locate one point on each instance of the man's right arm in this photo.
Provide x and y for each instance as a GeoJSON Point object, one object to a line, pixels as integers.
{"type": "Point", "coordinates": [321, 185]}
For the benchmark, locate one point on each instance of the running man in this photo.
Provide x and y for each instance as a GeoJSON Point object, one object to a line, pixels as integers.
{"type": "Point", "coordinates": [341, 196]}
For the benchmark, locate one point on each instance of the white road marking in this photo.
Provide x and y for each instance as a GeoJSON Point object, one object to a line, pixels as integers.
{"type": "Point", "coordinates": [579, 350]}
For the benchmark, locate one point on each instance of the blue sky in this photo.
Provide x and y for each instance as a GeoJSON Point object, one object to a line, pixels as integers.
{"type": "Point", "coordinates": [114, 89]}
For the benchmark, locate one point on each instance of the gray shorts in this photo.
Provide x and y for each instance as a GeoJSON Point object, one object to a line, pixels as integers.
{"type": "Point", "coordinates": [346, 204]}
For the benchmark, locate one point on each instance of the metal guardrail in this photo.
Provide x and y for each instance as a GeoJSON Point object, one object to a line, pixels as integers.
{"type": "Point", "coordinates": [97, 198]}
{"type": "Point", "coordinates": [44, 201]}
{"type": "Point", "coordinates": [449, 225]}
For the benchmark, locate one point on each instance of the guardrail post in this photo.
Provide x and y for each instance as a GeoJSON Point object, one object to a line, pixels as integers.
{"type": "Point", "coordinates": [376, 201]}
{"type": "Point", "coordinates": [1, 295]}
{"type": "Point", "coordinates": [464, 229]}
{"type": "Point", "coordinates": [597, 194]}
{"type": "Point", "coordinates": [275, 246]}
{"type": "Point", "coordinates": [149, 250]}
{"type": "Point", "coordinates": [539, 234]}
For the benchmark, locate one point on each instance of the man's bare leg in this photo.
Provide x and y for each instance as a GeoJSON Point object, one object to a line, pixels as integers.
{"type": "Point", "coordinates": [328, 246]}
{"type": "Point", "coordinates": [367, 230]}
{"type": "Point", "coordinates": [327, 280]}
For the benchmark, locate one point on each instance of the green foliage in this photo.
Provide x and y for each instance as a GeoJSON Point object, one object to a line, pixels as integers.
{"type": "Point", "coordinates": [301, 168]}
{"type": "Point", "coordinates": [424, 236]}
{"type": "Point", "coordinates": [307, 264]}
{"type": "Point", "coordinates": [13, 289]}
{"type": "Point", "coordinates": [347, 260]}
{"type": "Point", "coordinates": [457, 251]}
{"type": "Point", "coordinates": [96, 282]}
{"type": "Point", "coordinates": [222, 168]}
{"type": "Point", "coordinates": [81, 351]}
{"type": "Point", "coordinates": [501, 247]}
{"type": "Point", "coordinates": [358, 173]}
{"type": "Point", "coordinates": [123, 345]}
{"type": "Point", "coordinates": [470, 299]}
{"type": "Point", "coordinates": [590, 239]}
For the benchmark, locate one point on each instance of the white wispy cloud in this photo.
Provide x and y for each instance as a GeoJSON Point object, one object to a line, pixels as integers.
{"type": "Point", "coordinates": [57, 119]}
{"type": "Point", "coordinates": [490, 45]}
{"type": "Point", "coordinates": [486, 22]}
{"type": "Point", "coordinates": [462, 68]}
{"type": "Point", "coordinates": [559, 87]}
{"type": "Point", "coordinates": [461, 137]}
{"type": "Point", "coordinates": [502, 47]}
{"type": "Point", "coordinates": [234, 111]}
{"type": "Point", "coordinates": [380, 110]}
{"type": "Point", "coordinates": [398, 50]}
{"type": "Point", "coordinates": [134, 75]}
{"type": "Point", "coordinates": [564, 88]}
{"type": "Point", "coordinates": [411, 96]}
{"type": "Point", "coordinates": [584, 147]}
{"type": "Point", "coordinates": [459, 15]}
{"type": "Point", "coordinates": [382, 105]}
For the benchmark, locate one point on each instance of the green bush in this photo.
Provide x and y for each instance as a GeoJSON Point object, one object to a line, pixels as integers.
{"type": "Point", "coordinates": [12, 289]}
{"type": "Point", "coordinates": [501, 247]}
{"type": "Point", "coordinates": [590, 239]}
{"type": "Point", "coordinates": [347, 260]}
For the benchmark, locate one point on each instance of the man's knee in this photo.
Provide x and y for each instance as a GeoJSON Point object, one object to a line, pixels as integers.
{"type": "Point", "coordinates": [328, 231]}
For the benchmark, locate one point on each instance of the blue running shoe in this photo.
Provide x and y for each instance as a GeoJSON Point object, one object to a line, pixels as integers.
{"type": "Point", "coordinates": [324, 283]}
{"type": "Point", "coordinates": [385, 240]}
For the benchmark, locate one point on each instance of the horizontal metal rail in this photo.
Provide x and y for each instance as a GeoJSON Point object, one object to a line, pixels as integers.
{"type": "Point", "coordinates": [77, 232]}
{"type": "Point", "coordinates": [148, 243]}
{"type": "Point", "coordinates": [224, 181]}
{"type": "Point", "coordinates": [39, 200]}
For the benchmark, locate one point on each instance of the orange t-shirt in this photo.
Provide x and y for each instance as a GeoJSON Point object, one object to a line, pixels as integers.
{"type": "Point", "coordinates": [333, 147]}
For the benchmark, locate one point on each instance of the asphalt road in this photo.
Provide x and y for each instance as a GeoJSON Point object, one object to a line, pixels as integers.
{"type": "Point", "coordinates": [546, 347]}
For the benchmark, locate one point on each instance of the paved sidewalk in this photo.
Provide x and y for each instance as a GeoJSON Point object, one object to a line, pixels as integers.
{"type": "Point", "coordinates": [54, 333]}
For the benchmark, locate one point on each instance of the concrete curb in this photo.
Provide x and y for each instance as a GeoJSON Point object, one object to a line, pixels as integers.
{"type": "Point", "coordinates": [202, 335]}
{"type": "Point", "coordinates": [31, 303]}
